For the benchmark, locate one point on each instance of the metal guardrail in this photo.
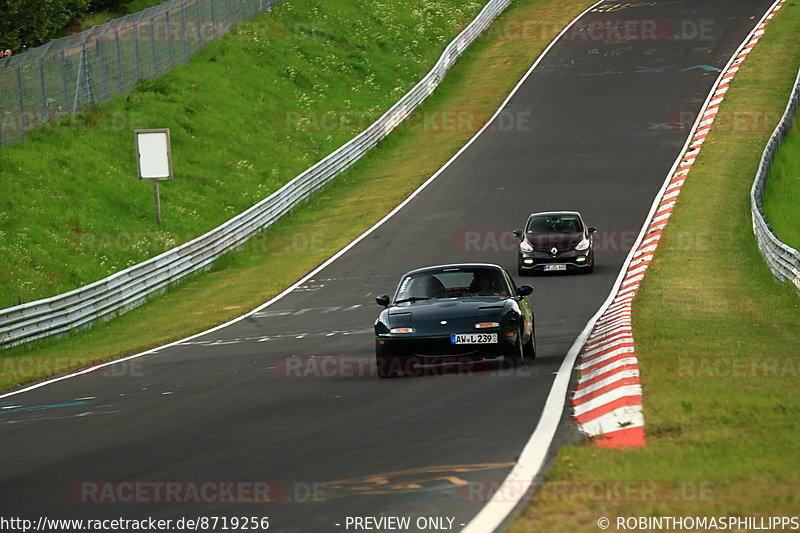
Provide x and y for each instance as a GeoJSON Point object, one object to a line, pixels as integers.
{"type": "Point", "coordinates": [783, 260]}
{"type": "Point", "coordinates": [105, 61]}
{"type": "Point", "coordinates": [132, 286]}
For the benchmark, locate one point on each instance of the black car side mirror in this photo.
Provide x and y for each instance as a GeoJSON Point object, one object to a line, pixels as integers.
{"type": "Point", "coordinates": [518, 233]}
{"type": "Point", "coordinates": [592, 229]}
{"type": "Point", "coordinates": [524, 290]}
{"type": "Point", "coordinates": [383, 300]}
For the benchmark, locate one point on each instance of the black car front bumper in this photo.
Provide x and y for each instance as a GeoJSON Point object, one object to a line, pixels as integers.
{"type": "Point", "coordinates": [439, 349]}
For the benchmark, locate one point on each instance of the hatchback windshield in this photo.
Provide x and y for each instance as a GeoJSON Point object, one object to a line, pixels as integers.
{"type": "Point", "coordinates": [565, 223]}
{"type": "Point", "coordinates": [452, 283]}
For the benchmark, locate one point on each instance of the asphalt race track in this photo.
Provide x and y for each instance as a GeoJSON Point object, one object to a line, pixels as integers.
{"type": "Point", "coordinates": [284, 402]}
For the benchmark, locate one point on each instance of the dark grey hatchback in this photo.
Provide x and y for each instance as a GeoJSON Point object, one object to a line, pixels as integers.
{"type": "Point", "coordinates": [555, 241]}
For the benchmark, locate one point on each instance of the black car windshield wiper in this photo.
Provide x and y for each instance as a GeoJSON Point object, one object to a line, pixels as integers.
{"type": "Point", "coordinates": [412, 299]}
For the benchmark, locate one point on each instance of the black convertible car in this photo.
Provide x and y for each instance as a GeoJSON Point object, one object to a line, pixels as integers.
{"type": "Point", "coordinates": [555, 241]}
{"type": "Point", "coordinates": [455, 313]}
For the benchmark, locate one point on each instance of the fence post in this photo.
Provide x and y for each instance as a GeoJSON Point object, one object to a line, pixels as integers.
{"type": "Point", "coordinates": [103, 66]}
{"type": "Point", "coordinates": [183, 32]}
{"type": "Point", "coordinates": [65, 78]}
{"type": "Point", "coordinates": [21, 100]}
{"type": "Point", "coordinates": [213, 19]}
{"type": "Point", "coordinates": [43, 89]}
{"type": "Point", "coordinates": [119, 60]}
{"type": "Point", "coordinates": [136, 49]}
{"type": "Point", "coordinates": [169, 40]}
{"type": "Point", "coordinates": [78, 78]}
{"type": "Point", "coordinates": [200, 22]}
{"type": "Point", "coordinates": [153, 40]}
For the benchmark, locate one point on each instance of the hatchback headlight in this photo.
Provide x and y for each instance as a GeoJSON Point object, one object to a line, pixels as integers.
{"type": "Point", "coordinates": [525, 247]}
{"type": "Point", "coordinates": [583, 245]}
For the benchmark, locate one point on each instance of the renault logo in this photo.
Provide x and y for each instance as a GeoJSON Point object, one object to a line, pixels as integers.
{"type": "Point", "coordinates": [554, 250]}
{"type": "Point", "coordinates": [443, 322]}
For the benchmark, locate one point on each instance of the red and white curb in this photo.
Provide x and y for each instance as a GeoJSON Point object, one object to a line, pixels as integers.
{"type": "Point", "coordinates": [607, 403]}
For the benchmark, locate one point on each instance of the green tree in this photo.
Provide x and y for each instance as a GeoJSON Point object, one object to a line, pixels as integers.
{"type": "Point", "coordinates": [29, 23]}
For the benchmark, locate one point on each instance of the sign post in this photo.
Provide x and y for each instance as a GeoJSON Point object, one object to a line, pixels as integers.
{"type": "Point", "coordinates": [154, 158]}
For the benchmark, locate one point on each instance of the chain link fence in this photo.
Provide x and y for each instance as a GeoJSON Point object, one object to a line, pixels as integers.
{"type": "Point", "coordinates": [106, 61]}
{"type": "Point", "coordinates": [783, 260]}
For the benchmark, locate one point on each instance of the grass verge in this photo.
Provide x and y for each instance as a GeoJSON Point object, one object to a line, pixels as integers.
{"type": "Point", "coordinates": [717, 339]}
{"type": "Point", "coordinates": [240, 281]}
{"type": "Point", "coordinates": [782, 191]}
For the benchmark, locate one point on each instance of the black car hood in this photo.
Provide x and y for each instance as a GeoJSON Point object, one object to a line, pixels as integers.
{"type": "Point", "coordinates": [561, 241]}
{"type": "Point", "coordinates": [461, 311]}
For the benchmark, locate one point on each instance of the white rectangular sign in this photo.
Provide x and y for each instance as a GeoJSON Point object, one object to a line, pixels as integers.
{"type": "Point", "coordinates": [154, 154]}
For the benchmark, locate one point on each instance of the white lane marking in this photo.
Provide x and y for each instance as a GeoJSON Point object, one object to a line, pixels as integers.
{"type": "Point", "coordinates": [279, 336]}
{"type": "Point", "coordinates": [321, 310]}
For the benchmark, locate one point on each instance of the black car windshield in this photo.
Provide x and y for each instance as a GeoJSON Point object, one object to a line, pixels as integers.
{"type": "Point", "coordinates": [452, 283]}
{"type": "Point", "coordinates": [562, 223]}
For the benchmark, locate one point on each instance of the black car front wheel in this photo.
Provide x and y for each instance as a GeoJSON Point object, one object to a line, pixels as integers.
{"type": "Point", "coordinates": [516, 356]}
{"type": "Point", "coordinates": [530, 348]}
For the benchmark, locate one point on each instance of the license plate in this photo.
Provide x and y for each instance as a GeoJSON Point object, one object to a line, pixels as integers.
{"type": "Point", "coordinates": [473, 338]}
{"type": "Point", "coordinates": [555, 267]}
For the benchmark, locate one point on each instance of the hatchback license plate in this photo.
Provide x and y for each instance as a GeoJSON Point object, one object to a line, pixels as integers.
{"type": "Point", "coordinates": [555, 267]}
{"type": "Point", "coordinates": [473, 338]}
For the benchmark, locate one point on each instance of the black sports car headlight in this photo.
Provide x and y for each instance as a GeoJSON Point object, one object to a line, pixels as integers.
{"type": "Point", "coordinates": [487, 325]}
{"type": "Point", "coordinates": [402, 330]}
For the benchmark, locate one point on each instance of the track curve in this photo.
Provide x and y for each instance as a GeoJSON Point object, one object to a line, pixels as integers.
{"type": "Point", "coordinates": [595, 128]}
